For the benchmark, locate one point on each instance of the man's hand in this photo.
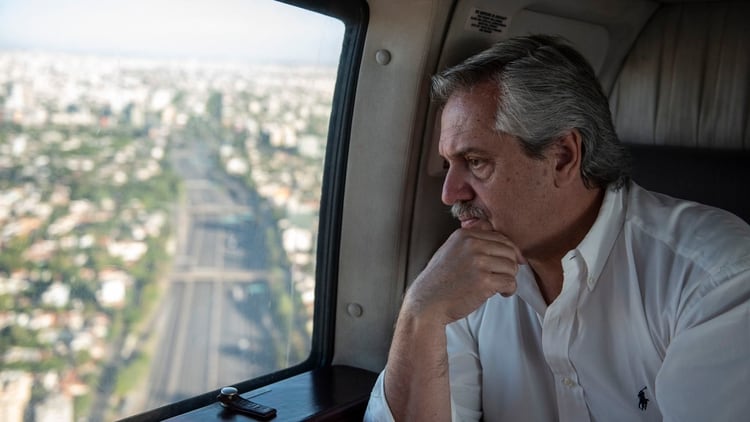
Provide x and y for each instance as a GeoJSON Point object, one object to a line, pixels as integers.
{"type": "Point", "coordinates": [469, 268]}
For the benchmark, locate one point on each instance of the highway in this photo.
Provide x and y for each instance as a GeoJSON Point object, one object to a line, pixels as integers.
{"type": "Point", "coordinates": [215, 327]}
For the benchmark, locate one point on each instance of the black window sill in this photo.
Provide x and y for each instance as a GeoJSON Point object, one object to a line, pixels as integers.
{"type": "Point", "coordinates": [330, 393]}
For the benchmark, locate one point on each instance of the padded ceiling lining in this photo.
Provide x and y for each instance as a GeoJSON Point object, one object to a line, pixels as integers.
{"type": "Point", "coordinates": [686, 81]}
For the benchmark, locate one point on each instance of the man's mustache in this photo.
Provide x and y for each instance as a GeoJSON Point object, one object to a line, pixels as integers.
{"type": "Point", "coordinates": [464, 210]}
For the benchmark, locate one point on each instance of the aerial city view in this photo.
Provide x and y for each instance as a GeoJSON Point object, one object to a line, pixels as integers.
{"type": "Point", "coordinates": [157, 228]}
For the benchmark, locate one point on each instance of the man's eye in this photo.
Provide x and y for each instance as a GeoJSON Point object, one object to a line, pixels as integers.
{"type": "Point", "coordinates": [479, 167]}
{"type": "Point", "coordinates": [474, 163]}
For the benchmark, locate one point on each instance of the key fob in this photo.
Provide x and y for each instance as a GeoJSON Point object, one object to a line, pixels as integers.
{"type": "Point", "coordinates": [233, 401]}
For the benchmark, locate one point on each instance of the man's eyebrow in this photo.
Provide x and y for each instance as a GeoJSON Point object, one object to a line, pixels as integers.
{"type": "Point", "coordinates": [465, 151]}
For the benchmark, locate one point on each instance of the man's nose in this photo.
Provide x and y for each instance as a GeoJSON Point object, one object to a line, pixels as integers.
{"type": "Point", "coordinates": [455, 188]}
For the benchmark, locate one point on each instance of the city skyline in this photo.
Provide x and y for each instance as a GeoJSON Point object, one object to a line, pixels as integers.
{"type": "Point", "coordinates": [263, 31]}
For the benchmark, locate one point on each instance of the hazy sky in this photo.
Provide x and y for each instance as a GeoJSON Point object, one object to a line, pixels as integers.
{"type": "Point", "coordinates": [261, 30]}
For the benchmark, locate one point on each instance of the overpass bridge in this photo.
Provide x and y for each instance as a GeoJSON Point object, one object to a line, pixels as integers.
{"type": "Point", "coordinates": [218, 275]}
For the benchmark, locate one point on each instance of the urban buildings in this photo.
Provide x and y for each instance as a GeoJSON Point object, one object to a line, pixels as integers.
{"type": "Point", "coordinates": [88, 197]}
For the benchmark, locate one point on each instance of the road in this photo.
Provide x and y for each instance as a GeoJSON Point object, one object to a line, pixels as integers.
{"type": "Point", "coordinates": [216, 326]}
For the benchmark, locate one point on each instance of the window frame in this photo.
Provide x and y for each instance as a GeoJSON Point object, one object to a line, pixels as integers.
{"type": "Point", "coordinates": [354, 14]}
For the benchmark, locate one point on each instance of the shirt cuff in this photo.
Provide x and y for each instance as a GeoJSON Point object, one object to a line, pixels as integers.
{"type": "Point", "coordinates": [377, 407]}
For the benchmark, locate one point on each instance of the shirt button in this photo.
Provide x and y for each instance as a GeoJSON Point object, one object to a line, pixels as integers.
{"type": "Point", "coordinates": [568, 382]}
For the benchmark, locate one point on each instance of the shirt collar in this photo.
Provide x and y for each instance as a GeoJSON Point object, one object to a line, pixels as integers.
{"type": "Point", "coordinates": [598, 242]}
{"type": "Point", "coordinates": [593, 250]}
{"type": "Point", "coordinates": [528, 290]}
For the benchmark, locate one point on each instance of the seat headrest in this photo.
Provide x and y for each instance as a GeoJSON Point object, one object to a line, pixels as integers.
{"type": "Point", "coordinates": [719, 178]}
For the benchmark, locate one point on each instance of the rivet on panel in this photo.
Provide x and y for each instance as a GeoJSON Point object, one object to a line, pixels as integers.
{"type": "Point", "coordinates": [354, 310]}
{"type": "Point", "coordinates": [383, 57]}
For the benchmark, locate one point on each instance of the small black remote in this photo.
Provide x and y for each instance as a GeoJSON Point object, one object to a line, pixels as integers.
{"type": "Point", "coordinates": [231, 400]}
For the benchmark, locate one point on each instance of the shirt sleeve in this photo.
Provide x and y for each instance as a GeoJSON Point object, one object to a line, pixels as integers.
{"type": "Point", "coordinates": [377, 407]}
{"type": "Point", "coordinates": [465, 371]}
{"type": "Point", "coordinates": [465, 380]}
{"type": "Point", "coordinates": [705, 374]}
{"type": "Point", "coordinates": [378, 410]}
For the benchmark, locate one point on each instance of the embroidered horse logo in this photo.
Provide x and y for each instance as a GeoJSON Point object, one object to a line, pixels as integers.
{"type": "Point", "coordinates": [642, 399]}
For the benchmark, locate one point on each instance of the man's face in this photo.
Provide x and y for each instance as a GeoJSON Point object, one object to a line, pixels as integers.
{"type": "Point", "coordinates": [489, 172]}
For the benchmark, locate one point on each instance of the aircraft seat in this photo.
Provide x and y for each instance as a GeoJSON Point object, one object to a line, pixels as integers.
{"type": "Point", "coordinates": [682, 100]}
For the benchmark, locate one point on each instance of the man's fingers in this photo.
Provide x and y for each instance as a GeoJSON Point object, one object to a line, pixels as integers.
{"type": "Point", "coordinates": [497, 244]}
{"type": "Point", "coordinates": [505, 285]}
{"type": "Point", "coordinates": [504, 264]}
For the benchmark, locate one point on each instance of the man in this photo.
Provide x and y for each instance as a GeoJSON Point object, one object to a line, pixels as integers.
{"type": "Point", "coordinates": [614, 304]}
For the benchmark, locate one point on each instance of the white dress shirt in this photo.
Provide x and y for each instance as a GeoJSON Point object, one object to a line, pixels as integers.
{"type": "Point", "coordinates": [655, 300]}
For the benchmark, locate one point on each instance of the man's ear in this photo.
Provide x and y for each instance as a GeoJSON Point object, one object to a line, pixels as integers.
{"type": "Point", "coordinates": [567, 153]}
